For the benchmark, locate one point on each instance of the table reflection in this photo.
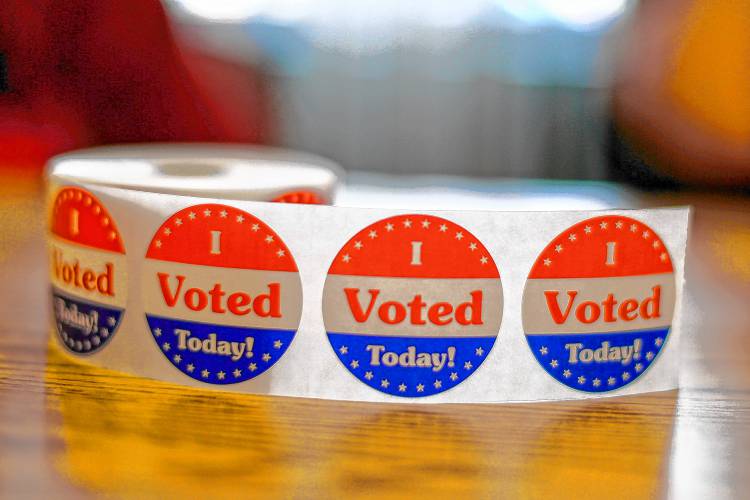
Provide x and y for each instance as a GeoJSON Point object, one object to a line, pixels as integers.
{"type": "Point", "coordinates": [129, 436]}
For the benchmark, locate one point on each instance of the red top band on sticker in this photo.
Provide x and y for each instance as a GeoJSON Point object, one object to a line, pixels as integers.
{"type": "Point", "coordinates": [591, 249]}
{"type": "Point", "coordinates": [300, 197]}
{"type": "Point", "coordinates": [220, 236]}
{"type": "Point", "coordinates": [393, 247]}
{"type": "Point", "coordinates": [79, 217]}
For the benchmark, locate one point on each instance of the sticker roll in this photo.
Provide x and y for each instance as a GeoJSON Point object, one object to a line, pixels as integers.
{"type": "Point", "coordinates": [168, 262]}
{"type": "Point", "coordinates": [204, 170]}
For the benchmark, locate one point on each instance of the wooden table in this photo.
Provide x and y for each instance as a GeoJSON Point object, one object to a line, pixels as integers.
{"type": "Point", "coordinates": [67, 430]}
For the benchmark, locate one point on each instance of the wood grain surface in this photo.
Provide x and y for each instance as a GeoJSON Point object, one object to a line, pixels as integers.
{"type": "Point", "coordinates": [69, 430]}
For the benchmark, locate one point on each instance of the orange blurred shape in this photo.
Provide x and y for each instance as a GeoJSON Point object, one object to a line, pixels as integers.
{"type": "Point", "coordinates": [711, 75]}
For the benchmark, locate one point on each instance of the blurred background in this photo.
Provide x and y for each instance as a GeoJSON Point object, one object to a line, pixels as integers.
{"type": "Point", "coordinates": [655, 93]}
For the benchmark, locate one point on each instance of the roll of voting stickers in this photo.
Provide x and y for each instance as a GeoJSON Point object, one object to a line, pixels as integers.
{"type": "Point", "coordinates": [89, 280]}
{"type": "Point", "coordinates": [412, 305]}
{"type": "Point", "coordinates": [599, 302]}
{"type": "Point", "coordinates": [222, 267]}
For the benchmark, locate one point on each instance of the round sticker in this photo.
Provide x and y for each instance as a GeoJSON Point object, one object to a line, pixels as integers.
{"type": "Point", "coordinates": [598, 303]}
{"type": "Point", "coordinates": [89, 282]}
{"type": "Point", "coordinates": [412, 305]}
{"type": "Point", "coordinates": [223, 293]}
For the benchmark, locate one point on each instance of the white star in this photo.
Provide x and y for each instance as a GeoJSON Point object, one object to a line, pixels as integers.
{"type": "Point", "coordinates": [454, 376]}
{"type": "Point", "coordinates": [223, 214]}
{"type": "Point", "coordinates": [603, 225]}
{"type": "Point", "coordinates": [385, 383]}
{"type": "Point", "coordinates": [479, 351]}
{"type": "Point", "coordinates": [344, 349]}
{"type": "Point", "coordinates": [483, 260]}
{"type": "Point", "coordinates": [626, 376]}
{"type": "Point", "coordinates": [649, 355]}
{"type": "Point", "coordinates": [572, 237]}
{"type": "Point", "coordinates": [177, 358]}
{"type": "Point", "coordinates": [597, 382]}
{"type": "Point", "coordinates": [633, 228]}
{"type": "Point", "coordinates": [472, 246]}
{"type": "Point", "coordinates": [191, 215]}
{"type": "Point", "coordinates": [468, 365]}
{"type": "Point", "coordinates": [587, 229]}
{"type": "Point", "coordinates": [354, 363]}
{"type": "Point", "coordinates": [205, 373]}
{"type": "Point", "coordinates": [269, 239]}
{"type": "Point", "coordinates": [656, 244]}
{"type": "Point", "coordinates": [553, 363]}
{"type": "Point", "coordinates": [663, 257]}
{"type": "Point", "coordinates": [357, 244]}
{"type": "Point", "coordinates": [190, 368]}
{"type": "Point", "coordinates": [618, 225]}
{"type": "Point", "coordinates": [111, 321]}
{"type": "Point", "coordinates": [178, 222]}
{"type": "Point", "coordinates": [266, 357]}
{"type": "Point", "coordinates": [221, 375]}
{"type": "Point", "coordinates": [543, 350]}
{"type": "Point", "coordinates": [581, 380]}
{"type": "Point", "coordinates": [277, 344]}
{"type": "Point", "coordinates": [240, 218]}
{"type": "Point", "coordinates": [167, 231]}
{"type": "Point", "coordinates": [372, 234]}
{"type": "Point", "coordinates": [255, 228]}
{"type": "Point", "coordinates": [368, 375]}
{"type": "Point", "coordinates": [558, 248]}
{"type": "Point", "coordinates": [425, 223]}
{"type": "Point", "coordinates": [207, 213]}
{"type": "Point", "coordinates": [166, 346]}
{"type": "Point", "coordinates": [438, 384]}
{"type": "Point", "coordinates": [104, 332]}
{"type": "Point", "coordinates": [611, 381]}
{"type": "Point", "coordinates": [547, 262]}
{"type": "Point", "coordinates": [459, 235]}
{"type": "Point", "coordinates": [237, 372]}
{"type": "Point", "coordinates": [157, 243]}
{"type": "Point", "coordinates": [443, 228]}
{"type": "Point", "coordinates": [389, 227]}
{"type": "Point", "coordinates": [638, 367]}
{"type": "Point", "coordinates": [420, 387]}
{"type": "Point", "coordinates": [252, 367]}
{"type": "Point", "coordinates": [646, 234]}
{"type": "Point", "coordinates": [402, 387]}
{"type": "Point", "coordinates": [346, 257]}
{"type": "Point", "coordinates": [566, 374]}
{"type": "Point", "coordinates": [658, 342]}
{"type": "Point", "coordinates": [280, 253]}
{"type": "Point", "coordinates": [407, 223]}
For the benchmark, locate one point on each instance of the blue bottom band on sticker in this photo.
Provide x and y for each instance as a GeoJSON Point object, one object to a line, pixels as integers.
{"type": "Point", "coordinates": [218, 354]}
{"type": "Point", "coordinates": [84, 327]}
{"type": "Point", "coordinates": [598, 362]}
{"type": "Point", "coordinates": [409, 366]}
